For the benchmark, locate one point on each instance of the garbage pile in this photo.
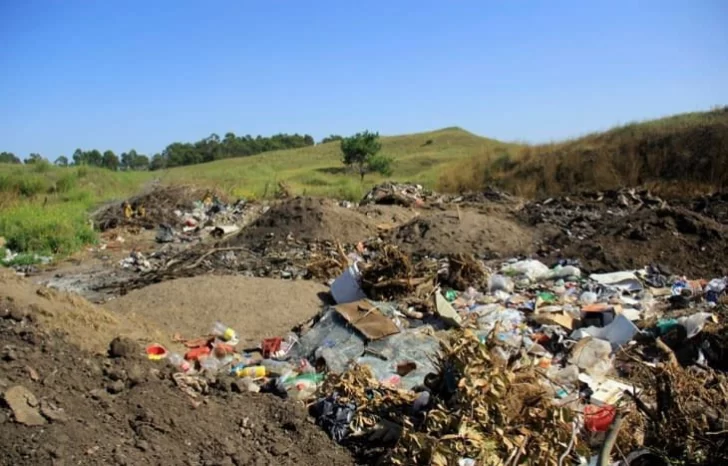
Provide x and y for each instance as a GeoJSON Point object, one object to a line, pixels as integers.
{"type": "Point", "coordinates": [462, 362]}
{"type": "Point", "coordinates": [179, 214]}
{"type": "Point", "coordinates": [404, 194]}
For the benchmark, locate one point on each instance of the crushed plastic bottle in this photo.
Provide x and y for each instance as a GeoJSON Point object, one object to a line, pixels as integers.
{"type": "Point", "coordinates": [210, 364]}
{"type": "Point", "coordinates": [179, 362]}
{"type": "Point", "coordinates": [222, 331]}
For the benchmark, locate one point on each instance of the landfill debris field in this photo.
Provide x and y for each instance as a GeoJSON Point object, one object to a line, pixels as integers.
{"type": "Point", "coordinates": [411, 328]}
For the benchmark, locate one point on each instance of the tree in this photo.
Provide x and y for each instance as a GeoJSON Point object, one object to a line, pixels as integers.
{"type": "Point", "coordinates": [110, 160]}
{"type": "Point", "coordinates": [8, 157]}
{"type": "Point", "coordinates": [331, 138]}
{"type": "Point", "coordinates": [62, 161]}
{"type": "Point", "coordinates": [34, 158]}
{"type": "Point", "coordinates": [361, 152]}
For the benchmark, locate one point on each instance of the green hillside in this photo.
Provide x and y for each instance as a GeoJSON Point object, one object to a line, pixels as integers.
{"type": "Point", "coordinates": [45, 208]}
{"type": "Point", "coordinates": [318, 170]}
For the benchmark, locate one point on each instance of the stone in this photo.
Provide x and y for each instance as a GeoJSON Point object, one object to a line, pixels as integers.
{"type": "Point", "coordinates": [24, 406]}
{"type": "Point", "coordinates": [52, 412]}
{"type": "Point", "coordinates": [122, 347]}
{"type": "Point", "coordinates": [117, 386]}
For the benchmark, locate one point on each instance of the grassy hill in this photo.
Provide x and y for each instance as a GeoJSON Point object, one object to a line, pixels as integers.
{"type": "Point", "coordinates": [45, 208]}
{"type": "Point", "coordinates": [674, 155]}
{"type": "Point", "coordinates": [318, 170]}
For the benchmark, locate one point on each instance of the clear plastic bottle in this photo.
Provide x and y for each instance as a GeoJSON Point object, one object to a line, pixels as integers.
{"type": "Point", "coordinates": [276, 368]}
{"type": "Point", "coordinates": [222, 331]}
{"type": "Point", "coordinates": [210, 364]}
{"type": "Point", "coordinates": [179, 362]}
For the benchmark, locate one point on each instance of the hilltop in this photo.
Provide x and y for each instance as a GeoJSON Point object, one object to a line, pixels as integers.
{"type": "Point", "coordinates": [673, 155]}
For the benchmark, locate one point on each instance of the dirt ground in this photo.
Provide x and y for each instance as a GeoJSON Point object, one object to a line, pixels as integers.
{"type": "Point", "coordinates": [256, 307]}
{"type": "Point", "coordinates": [88, 409]}
{"type": "Point", "coordinates": [466, 231]}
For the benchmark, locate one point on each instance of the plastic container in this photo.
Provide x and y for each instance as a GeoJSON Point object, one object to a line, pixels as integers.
{"type": "Point", "coordinates": [210, 364]}
{"type": "Point", "coordinates": [222, 331]}
{"type": "Point", "coordinates": [254, 372]}
{"type": "Point", "coordinates": [598, 418]}
{"type": "Point", "coordinates": [346, 288]}
{"type": "Point", "coordinates": [276, 368]}
{"type": "Point", "coordinates": [179, 362]}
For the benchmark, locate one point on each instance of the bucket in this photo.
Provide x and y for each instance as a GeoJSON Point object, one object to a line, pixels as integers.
{"type": "Point", "coordinates": [346, 288]}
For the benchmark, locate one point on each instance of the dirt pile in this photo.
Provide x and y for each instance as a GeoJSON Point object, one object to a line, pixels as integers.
{"type": "Point", "coordinates": [257, 307]}
{"type": "Point", "coordinates": [62, 405]}
{"type": "Point", "coordinates": [683, 241]}
{"type": "Point", "coordinates": [306, 219]}
{"type": "Point", "coordinates": [85, 324]}
{"type": "Point", "coordinates": [464, 231]}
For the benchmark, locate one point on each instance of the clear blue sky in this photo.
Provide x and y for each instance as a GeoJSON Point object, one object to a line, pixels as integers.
{"type": "Point", "coordinates": [141, 74]}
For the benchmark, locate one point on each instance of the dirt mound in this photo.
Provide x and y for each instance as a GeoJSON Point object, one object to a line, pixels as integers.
{"type": "Point", "coordinates": [464, 231]}
{"type": "Point", "coordinates": [683, 241]}
{"type": "Point", "coordinates": [255, 307]}
{"type": "Point", "coordinates": [152, 208]}
{"type": "Point", "coordinates": [308, 219]}
{"type": "Point", "coordinates": [85, 324]}
{"type": "Point", "coordinates": [62, 405]}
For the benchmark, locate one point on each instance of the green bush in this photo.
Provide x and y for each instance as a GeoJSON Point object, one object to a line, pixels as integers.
{"type": "Point", "coordinates": [56, 229]}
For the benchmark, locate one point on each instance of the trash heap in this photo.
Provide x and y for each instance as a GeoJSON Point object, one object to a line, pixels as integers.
{"type": "Point", "coordinates": [179, 213]}
{"type": "Point", "coordinates": [461, 362]}
{"type": "Point", "coordinates": [404, 194]}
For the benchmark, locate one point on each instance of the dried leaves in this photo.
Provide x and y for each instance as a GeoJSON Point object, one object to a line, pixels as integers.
{"type": "Point", "coordinates": [483, 410]}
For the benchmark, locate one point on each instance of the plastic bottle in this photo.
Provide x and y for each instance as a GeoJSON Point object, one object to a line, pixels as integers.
{"type": "Point", "coordinates": [223, 331]}
{"type": "Point", "coordinates": [179, 362]}
{"type": "Point", "coordinates": [210, 364]}
{"type": "Point", "coordinates": [276, 368]}
{"type": "Point", "coordinates": [254, 372]}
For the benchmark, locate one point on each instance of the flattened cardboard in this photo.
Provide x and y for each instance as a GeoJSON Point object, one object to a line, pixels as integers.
{"type": "Point", "coordinates": [366, 318]}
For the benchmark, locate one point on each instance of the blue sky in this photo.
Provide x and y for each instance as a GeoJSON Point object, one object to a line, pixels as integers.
{"type": "Point", "coordinates": [141, 74]}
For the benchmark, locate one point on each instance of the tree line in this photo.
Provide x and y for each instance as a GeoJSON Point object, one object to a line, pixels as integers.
{"type": "Point", "coordinates": [176, 154]}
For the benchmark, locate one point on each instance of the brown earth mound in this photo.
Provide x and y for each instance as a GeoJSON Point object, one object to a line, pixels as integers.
{"type": "Point", "coordinates": [256, 307]}
{"type": "Point", "coordinates": [308, 219]}
{"type": "Point", "coordinates": [683, 241]}
{"type": "Point", "coordinates": [464, 231]}
{"type": "Point", "coordinates": [62, 405]}
{"type": "Point", "coordinates": [86, 325]}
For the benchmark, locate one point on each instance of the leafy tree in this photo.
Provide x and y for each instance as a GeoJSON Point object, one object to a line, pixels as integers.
{"type": "Point", "coordinates": [361, 152]}
{"type": "Point", "coordinates": [110, 160]}
{"type": "Point", "coordinates": [8, 157]}
{"type": "Point", "coordinates": [158, 162]}
{"type": "Point", "coordinates": [140, 162]}
{"type": "Point", "coordinates": [331, 138]}
{"type": "Point", "coordinates": [62, 161]}
{"type": "Point", "coordinates": [34, 158]}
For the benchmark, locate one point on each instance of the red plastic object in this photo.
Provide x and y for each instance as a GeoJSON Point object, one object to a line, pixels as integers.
{"type": "Point", "coordinates": [270, 346]}
{"type": "Point", "coordinates": [599, 418]}
{"type": "Point", "coordinates": [156, 351]}
{"type": "Point", "coordinates": [195, 354]}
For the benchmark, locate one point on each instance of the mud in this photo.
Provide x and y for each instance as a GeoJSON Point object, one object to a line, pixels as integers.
{"type": "Point", "coordinates": [91, 410]}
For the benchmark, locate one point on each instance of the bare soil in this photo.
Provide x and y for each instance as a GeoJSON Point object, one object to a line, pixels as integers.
{"type": "Point", "coordinates": [465, 230]}
{"type": "Point", "coordinates": [92, 410]}
{"type": "Point", "coordinates": [256, 308]}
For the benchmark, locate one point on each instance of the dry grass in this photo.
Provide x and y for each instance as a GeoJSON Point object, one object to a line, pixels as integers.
{"type": "Point", "coordinates": [675, 156]}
